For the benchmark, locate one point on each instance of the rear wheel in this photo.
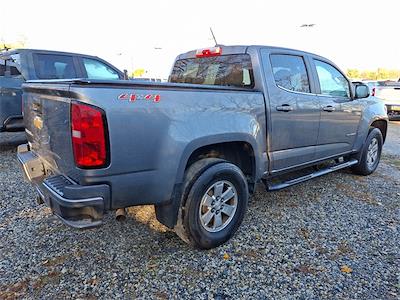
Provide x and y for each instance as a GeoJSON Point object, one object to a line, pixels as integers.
{"type": "Point", "coordinates": [214, 202]}
{"type": "Point", "coordinates": [370, 153]}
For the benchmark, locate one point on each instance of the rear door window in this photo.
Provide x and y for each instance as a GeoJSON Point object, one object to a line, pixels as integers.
{"type": "Point", "coordinates": [227, 70]}
{"type": "Point", "coordinates": [290, 72]}
{"type": "Point", "coordinates": [97, 70]}
{"type": "Point", "coordinates": [51, 66]}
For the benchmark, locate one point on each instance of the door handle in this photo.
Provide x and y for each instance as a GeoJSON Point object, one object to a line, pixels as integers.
{"type": "Point", "coordinates": [284, 107]}
{"type": "Point", "coordinates": [329, 108]}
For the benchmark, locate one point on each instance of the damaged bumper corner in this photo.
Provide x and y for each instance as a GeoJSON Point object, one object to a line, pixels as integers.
{"type": "Point", "coordinates": [76, 205]}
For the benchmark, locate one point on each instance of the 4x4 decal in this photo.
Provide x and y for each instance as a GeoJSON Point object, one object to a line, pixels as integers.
{"type": "Point", "coordinates": [134, 97]}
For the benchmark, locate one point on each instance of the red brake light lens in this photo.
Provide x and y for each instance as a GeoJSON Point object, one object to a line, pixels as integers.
{"type": "Point", "coordinates": [88, 136]}
{"type": "Point", "coordinates": [208, 52]}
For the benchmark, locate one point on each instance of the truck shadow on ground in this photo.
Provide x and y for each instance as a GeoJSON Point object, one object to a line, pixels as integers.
{"type": "Point", "coordinates": [261, 202]}
{"type": "Point", "coordinates": [332, 189]}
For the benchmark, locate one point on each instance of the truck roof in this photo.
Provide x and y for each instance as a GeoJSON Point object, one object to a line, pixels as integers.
{"type": "Point", "coordinates": [238, 49]}
{"type": "Point", "coordinates": [27, 50]}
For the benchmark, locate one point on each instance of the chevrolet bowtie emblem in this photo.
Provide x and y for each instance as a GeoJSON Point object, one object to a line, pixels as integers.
{"type": "Point", "coordinates": [38, 122]}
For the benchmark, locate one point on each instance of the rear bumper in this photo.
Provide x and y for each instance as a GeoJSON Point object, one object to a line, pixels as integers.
{"type": "Point", "coordinates": [76, 205]}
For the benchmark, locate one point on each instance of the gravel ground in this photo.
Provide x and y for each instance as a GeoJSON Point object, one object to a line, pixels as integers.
{"type": "Point", "coordinates": [336, 237]}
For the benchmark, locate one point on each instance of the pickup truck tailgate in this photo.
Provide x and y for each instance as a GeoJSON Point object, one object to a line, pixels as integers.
{"type": "Point", "coordinates": [389, 94]}
{"type": "Point", "coordinates": [46, 118]}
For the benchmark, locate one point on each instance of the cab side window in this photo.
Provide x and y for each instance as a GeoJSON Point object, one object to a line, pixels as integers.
{"type": "Point", "coordinates": [290, 72]}
{"type": "Point", "coordinates": [331, 81]}
{"type": "Point", "coordinates": [97, 70]}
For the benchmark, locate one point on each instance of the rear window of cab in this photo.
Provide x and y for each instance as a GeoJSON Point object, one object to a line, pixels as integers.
{"type": "Point", "coordinates": [226, 70]}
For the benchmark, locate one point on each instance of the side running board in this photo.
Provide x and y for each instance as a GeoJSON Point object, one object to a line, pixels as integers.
{"type": "Point", "coordinates": [285, 184]}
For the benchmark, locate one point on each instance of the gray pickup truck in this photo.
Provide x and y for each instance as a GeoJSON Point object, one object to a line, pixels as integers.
{"type": "Point", "coordinates": [20, 65]}
{"type": "Point", "coordinates": [195, 147]}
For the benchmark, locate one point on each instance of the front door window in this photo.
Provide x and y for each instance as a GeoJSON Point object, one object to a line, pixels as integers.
{"type": "Point", "coordinates": [331, 81]}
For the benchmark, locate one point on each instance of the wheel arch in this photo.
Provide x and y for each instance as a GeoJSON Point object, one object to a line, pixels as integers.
{"type": "Point", "coordinates": [382, 125]}
{"type": "Point", "coordinates": [167, 214]}
{"type": "Point", "coordinates": [220, 144]}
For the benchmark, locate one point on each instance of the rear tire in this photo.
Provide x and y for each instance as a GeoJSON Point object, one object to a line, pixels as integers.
{"type": "Point", "coordinates": [214, 201]}
{"type": "Point", "coordinates": [370, 153]}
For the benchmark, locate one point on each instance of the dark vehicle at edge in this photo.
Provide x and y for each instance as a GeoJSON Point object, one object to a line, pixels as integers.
{"type": "Point", "coordinates": [20, 65]}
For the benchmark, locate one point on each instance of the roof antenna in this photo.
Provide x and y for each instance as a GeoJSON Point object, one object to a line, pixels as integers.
{"type": "Point", "coordinates": [215, 40]}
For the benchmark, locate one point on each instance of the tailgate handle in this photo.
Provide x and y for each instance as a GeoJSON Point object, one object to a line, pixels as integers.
{"type": "Point", "coordinates": [284, 107]}
{"type": "Point", "coordinates": [36, 106]}
{"type": "Point", "coordinates": [329, 108]}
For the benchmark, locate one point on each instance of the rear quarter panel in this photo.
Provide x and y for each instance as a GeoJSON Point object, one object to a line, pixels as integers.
{"type": "Point", "coordinates": [150, 142]}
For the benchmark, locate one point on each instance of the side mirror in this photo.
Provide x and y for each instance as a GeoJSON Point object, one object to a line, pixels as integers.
{"type": "Point", "coordinates": [126, 76]}
{"type": "Point", "coordinates": [361, 91]}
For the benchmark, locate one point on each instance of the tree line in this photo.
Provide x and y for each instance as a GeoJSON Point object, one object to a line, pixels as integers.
{"type": "Point", "coordinates": [379, 74]}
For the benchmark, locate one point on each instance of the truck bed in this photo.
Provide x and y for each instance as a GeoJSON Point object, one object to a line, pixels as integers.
{"type": "Point", "coordinates": [153, 120]}
{"type": "Point", "coordinates": [137, 83]}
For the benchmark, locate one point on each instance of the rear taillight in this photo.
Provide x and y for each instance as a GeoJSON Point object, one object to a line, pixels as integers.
{"type": "Point", "coordinates": [373, 92]}
{"type": "Point", "coordinates": [88, 136]}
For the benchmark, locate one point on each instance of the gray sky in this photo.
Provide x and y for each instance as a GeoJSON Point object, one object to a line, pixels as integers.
{"type": "Point", "coordinates": [354, 34]}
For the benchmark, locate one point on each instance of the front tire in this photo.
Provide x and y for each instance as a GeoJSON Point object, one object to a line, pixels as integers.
{"type": "Point", "coordinates": [214, 202]}
{"type": "Point", "coordinates": [370, 153]}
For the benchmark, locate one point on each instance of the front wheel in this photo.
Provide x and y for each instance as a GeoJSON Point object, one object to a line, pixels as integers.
{"type": "Point", "coordinates": [370, 153]}
{"type": "Point", "coordinates": [214, 203]}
